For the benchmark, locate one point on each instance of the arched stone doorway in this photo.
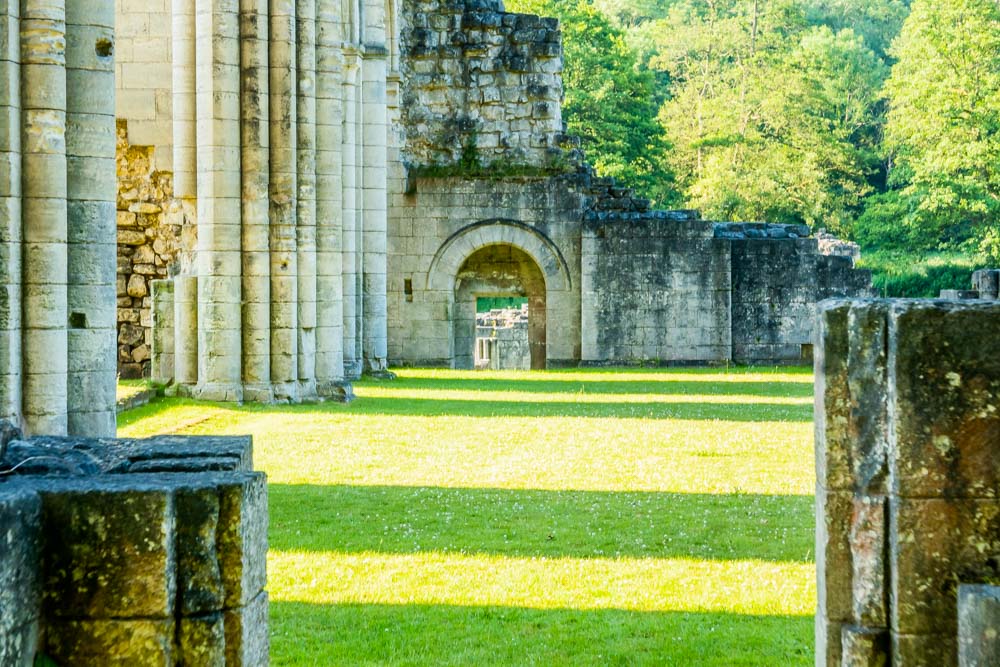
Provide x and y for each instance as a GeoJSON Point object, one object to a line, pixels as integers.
{"type": "Point", "coordinates": [498, 270]}
{"type": "Point", "coordinates": [498, 257]}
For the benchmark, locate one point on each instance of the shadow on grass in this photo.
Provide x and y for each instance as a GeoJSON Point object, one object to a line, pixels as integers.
{"type": "Point", "coordinates": [370, 634]}
{"type": "Point", "coordinates": [666, 387]}
{"type": "Point", "coordinates": [581, 524]}
{"type": "Point", "coordinates": [732, 411]}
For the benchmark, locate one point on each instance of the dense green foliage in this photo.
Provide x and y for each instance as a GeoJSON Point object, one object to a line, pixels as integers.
{"type": "Point", "coordinates": [877, 119]}
{"type": "Point", "coordinates": [578, 517]}
{"type": "Point", "coordinates": [609, 101]}
{"type": "Point", "coordinates": [943, 129]}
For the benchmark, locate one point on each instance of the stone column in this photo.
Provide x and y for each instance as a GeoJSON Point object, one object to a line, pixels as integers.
{"type": "Point", "coordinates": [186, 330]}
{"type": "Point", "coordinates": [162, 355]}
{"type": "Point", "coordinates": [306, 184]}
{"type": "Point", "coordinates": [284, 258]}
{"type": "Point", "coordinates": [43, 173]}
{"type": "Point", "coordinates": [329, 200]}
{"type": "Point", "coordinates": [351, 265]}
{"type": "Point", "coordinates": [92, 192]}
{"type": "Point", "coordinates": [220, 338]}
{"type": "Point", "coordinates": [373, 114]}
{"type": "Point", "coordinates": [184, 108]}
{"type": "Point", "coordinates": [10, 213]}
{"type": "Point", "coordinates": [255, 131]}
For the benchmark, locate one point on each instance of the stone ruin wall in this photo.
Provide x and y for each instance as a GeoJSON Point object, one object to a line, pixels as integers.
{"type": "Point", "coordinates": [908, 483]}
{"type": "Point", "coordinates": [132, 552]}
{"type": "Point", "coordinates": [156, 238]}
{"type": "Point", "coordinates": [480, 86]}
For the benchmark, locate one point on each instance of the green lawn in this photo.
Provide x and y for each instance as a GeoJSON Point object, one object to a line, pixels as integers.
{"type": "Point", "coordinates": [584, 517]}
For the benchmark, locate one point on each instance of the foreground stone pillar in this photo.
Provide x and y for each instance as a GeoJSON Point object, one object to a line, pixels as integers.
{"type": "Point", "coordinates": [134, 553]}
{"type": "Point", "coordinates": [92, 193]}
{"type": "Point", "coordinates": [907, 392]}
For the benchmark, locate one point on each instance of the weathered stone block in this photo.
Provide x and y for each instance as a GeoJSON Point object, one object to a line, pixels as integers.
{"type": "Point", "coordinates": [199, 580]}
{"type": "Point", "coordinates": [924, 650]}
{"type": "Point", "coordinates": [108, 548]}
{"type": "Point", "coordinates": [935, 544]}
{"type": "Point", "coordinates": [869, 547]}
{"type": "Point", "coordinates": [978, 625]}
{"type": "Point", "coordinates": [945, 399]}
{"type": "Point", "coordinates": [201, 640]}
{"type": "Point", "coordinates": [247, 643]}
{"type": "Point", "coordinates": [867, 381]}
{"type": "Point", "coordinates": [832, 396]}
{"type": "Point", "coordinates": [242, 540]}
{"type": "Point", "coordinates": [20, 592]}
{"type": "Point", "coordinates": [833, 556]}
{"type": "Point", "coordinates": [111, 642]}
{"type": "Point", "coordinates": [864, 647]}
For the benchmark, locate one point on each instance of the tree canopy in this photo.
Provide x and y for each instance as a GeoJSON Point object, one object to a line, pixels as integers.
{"type": "Point", "coordinates": [878, 119]}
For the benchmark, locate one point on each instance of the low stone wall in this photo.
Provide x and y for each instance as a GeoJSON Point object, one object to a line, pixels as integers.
{"type": "Point", "coordinates": [132, 552]}
{"type": "Point", "coordinates": [155, 232]}
{"type": "Point", "coordinates": [908, 476]}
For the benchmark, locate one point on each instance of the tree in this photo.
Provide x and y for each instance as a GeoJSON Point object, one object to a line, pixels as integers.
{"type": "Point", "coordinates": [608, 102]}
{"type": "Point", "coordinates": [772, 119]}
{"type": "Point", "coordinates": [943, 126]}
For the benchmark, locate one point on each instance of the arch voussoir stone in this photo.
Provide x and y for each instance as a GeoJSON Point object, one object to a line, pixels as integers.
{"type": "Point", "coordinates": [461, 244]}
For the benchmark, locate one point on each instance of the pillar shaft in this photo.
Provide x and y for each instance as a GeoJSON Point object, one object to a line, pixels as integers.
{"type": "Point", "coordinates": [255, 119]}
{"type": "Point", "coordinates": [220, 338]}
{"type": "Point", "coordinates": [283, 188]}
{"type": "Point", "coordinates": [186, 330]}
{"type": "Point", "coordinates": [306, 184]}
{"type": "Point", "coordinates": [10, 215]}
{"type": "Point", "coordinates": [374, 206]}
{"type": "Point", "coordinates": [92, 194]}
{"type": "Point", "coordinates": [329, 198]}
{"type": "Point", "coordinates": [349, 180]}
{"type": "Point", "coordinates": [184, 107]}
{"type": "Point", "coordinates": [43, 172]}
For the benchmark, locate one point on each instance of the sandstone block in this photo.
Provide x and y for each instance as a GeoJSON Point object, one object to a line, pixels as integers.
{"type": "Point", "coordinates": [945, 387]}
{"type": "Point", "coordinates": [111, 642]}
{"type": "Point", "coordinates": [978, 625]}
{"type": "Point", "coordinates": [20, 591]}
{"type": "Point", "coordinates": [864, 647]}
{"type": "Point", "coordinates": [247, 640]}
{"type": "Point", "coordinates": [934, 544]}
{"type": "Point", "coordinates": [137, 286]}
{"type": "Point", "coordinates": [107, 548]}
{"type": "Point", "coordinates": [201, 640]}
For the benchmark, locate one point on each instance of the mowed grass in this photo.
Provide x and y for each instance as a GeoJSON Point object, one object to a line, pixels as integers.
{"type": "Point", "coordinates": [584, 517]}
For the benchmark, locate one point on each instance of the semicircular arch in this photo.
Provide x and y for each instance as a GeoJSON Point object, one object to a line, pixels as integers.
{"type": "Point", "coordinates": [498, 231]}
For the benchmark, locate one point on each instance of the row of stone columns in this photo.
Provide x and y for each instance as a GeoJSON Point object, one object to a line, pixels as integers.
{"type": "Point", "coordinates": [291, 198]}
{"type": "Point", "coordinates": [57, 216]}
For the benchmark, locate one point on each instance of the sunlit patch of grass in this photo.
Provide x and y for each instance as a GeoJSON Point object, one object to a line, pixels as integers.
{"type": "Point", "coordinates": [605, 516]}
{"type": "Point", "coordinates": [129, 388]}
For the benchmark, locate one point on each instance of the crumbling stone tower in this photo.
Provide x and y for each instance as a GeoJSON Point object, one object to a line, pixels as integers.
{"type": "Point", "coordinates": [57, 216]}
